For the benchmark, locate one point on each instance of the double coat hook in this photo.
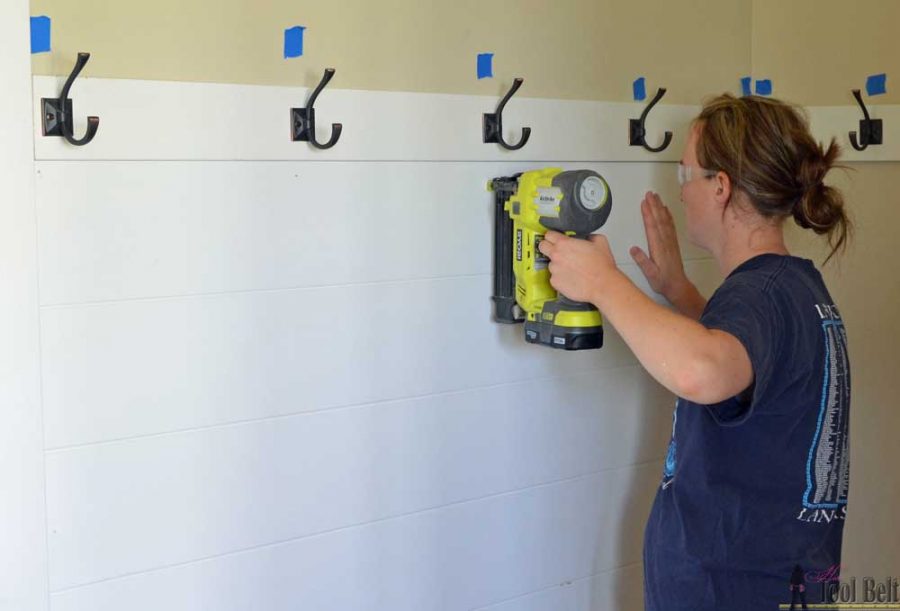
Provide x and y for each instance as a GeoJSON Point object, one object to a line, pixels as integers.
{"type": "Point", "coordinates": [57, 112]}
{"type": "Point", "coordinates": [870, 130]}
{"type": "Point", "coordinates": [303, 120]}
{"type": "Point", "coordinates": [492, 125]}
{"type": "Point", "coordinates": [638, 133]}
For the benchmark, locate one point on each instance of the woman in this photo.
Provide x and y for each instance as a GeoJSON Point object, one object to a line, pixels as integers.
{"type": "Point", "coordinates": [756, 477]}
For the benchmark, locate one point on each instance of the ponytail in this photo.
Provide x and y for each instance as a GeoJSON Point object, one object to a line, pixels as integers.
{"type": "Point", "coordinates": [821, 207]}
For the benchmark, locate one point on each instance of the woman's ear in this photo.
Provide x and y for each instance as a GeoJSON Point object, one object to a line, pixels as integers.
{"type": "Point", "coordinates": [723, 188]}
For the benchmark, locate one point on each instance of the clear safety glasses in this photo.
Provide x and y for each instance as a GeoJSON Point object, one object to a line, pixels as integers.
{"type": "Point", "coordinates": [686, 173]}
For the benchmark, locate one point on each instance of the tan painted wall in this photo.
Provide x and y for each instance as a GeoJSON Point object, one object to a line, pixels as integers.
{"type": "Point", "coordinates": [816, 51]}
{"type": "Point", "coordinates": [579, 49]}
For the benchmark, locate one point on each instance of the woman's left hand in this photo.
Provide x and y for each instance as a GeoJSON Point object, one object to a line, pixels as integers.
{"type": "Point", "coordinates": [579, 269]}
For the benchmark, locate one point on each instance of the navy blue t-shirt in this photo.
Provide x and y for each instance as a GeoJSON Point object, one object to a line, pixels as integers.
{"type": "Point", "coordinates": [758, 484]}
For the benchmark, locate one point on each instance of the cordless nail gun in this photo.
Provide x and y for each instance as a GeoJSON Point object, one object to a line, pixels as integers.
{"type": "Point", "coordinates": [526, 206]}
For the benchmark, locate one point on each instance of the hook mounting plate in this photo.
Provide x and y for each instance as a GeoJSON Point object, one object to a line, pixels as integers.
{"type": "Point", "coordinates": [636, 132]}
{"type": "Point", "coordinates": [53, 116]}
{"type": "Point", "coordinates": [871, 131]}
{"type": "Point", "coordinates": [491, 128]}
{"type": "Point", "coordinates": [300, 123]}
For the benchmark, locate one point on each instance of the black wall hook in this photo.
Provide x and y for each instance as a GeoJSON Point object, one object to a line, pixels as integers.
{"type": "Point", "coordinates": [492, 125]}
{"type": "Point", "coordinates": [57, 120]}
{"type": "Point", "coordinates": [638, 133]}
{"type": "Point", "coordinates": [303, 120]}
{"type": "Point", "coordinates": [870, 130]}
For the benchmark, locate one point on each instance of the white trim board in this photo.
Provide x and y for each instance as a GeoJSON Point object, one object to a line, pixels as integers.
{"type": "Point", "coordinates": [838, 121]}
{"type": "Point", "coordinates": [23, 554]}
{"type": "Point", "coordinates": [157, 120]}
{"type": "Point", "coordinates": [151, 120]}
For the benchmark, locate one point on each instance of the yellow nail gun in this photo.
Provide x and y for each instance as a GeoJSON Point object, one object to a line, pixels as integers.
{"type": "Point", "coordinates": [526, 205]}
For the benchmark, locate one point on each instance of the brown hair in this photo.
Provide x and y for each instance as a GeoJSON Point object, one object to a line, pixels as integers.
{"type": "Point", "coordinates": [766, 149]}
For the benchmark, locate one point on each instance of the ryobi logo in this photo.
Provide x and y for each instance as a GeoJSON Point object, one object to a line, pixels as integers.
{"type": "Point", "coordinates": [518, 244]}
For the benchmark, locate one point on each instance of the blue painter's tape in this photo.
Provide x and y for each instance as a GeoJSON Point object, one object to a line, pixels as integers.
{"type": "Point", "coordinates": [764, 87]}
{"type": "Point", "coordinates": [485, 65]}
{"type": "Point", "coordinates": [640, 89]}
{"type": "Point", "coordinates": [876, 84]}
{"type": "Point", "coordinates": [746, 82]}
{"type": "Point", "coordinates": [293, 42]}
{"type": "Point", "coordinates": [40, 34]}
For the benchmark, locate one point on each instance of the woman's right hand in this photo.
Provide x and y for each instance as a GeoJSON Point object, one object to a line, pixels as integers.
{"type": "Point", "coordinates": [663, 267]}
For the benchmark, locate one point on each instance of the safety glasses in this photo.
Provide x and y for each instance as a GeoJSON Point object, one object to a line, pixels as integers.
{"type": "Point", "coordinates": [687, 173]}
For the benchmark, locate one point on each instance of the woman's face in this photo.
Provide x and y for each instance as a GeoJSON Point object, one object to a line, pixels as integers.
{"type": "Point", "coordinates": [703, 217]}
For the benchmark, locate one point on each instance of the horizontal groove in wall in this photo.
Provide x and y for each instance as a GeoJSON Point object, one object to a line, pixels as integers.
{"type": "Point", "coordinates": [212, 295]}
{"type": "Point", "coordinates": [422, 161]}
{"type": "Point", "coordinates": [287, 289]}
{"type": "Point", "coordinates": [554, 160]}
{"type": "Point", "coordinates": [330, 409]}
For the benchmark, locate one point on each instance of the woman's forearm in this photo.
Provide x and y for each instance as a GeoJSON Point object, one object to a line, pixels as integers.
{"type": "Point", "coordinates": [679, 352]}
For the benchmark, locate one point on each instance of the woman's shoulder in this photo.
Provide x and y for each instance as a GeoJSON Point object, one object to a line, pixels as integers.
{"type": "Point", "coordinates": [789, 285]}
{"type": "Point", "coordinates": [772, 273]}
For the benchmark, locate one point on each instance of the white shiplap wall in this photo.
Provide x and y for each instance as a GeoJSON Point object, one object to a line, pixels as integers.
{"type": "Point", "coordinates": [270, 376]}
